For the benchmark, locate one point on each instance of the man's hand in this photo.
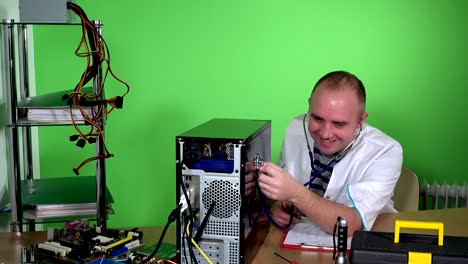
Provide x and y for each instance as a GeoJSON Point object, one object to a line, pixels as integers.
{"type": "Point", "coordinates": [276, 183]}
{"type": "Point", "coordinates": [250, 178]}
{"type": "Point", "coordinates": [280, 211]}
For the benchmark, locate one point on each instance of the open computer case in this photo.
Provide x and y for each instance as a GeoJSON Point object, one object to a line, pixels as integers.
{"type": "Point", "coordinates": [212, 162]}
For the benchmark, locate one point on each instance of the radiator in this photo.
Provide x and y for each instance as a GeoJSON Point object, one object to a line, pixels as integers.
{"type": "Point", "coordinates": [439, 196]}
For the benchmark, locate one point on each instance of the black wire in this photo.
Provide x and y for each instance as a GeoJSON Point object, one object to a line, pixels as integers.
{"type": "Point", "coordinates": [184, 190]}
{"type": "Point", "coordinates": [190, 248]}
{"type": "Point", "coordinates": [334, 240]}
{"type": "Point", "coordinates": [92, 37]}
{"type": "Point", "coordinates": [172, 217]}
{"type": "Point", "coordinates": [201, 228]}
{"type": "Point", "coordinates": [192, 218]}
{"type": "Point", "coordinates": [183, 247]}
{"type": "Point", "coordinates": [189, 242]}
{"type": "Point", "coordinates": [158, 245]}
{"type": "Point", "coordinates": [305, 133]}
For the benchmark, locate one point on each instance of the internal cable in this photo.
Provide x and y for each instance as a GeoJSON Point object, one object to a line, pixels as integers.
{"type": "Point", "coordinates": [190, 213]}
{"type": "Point", "coordinates": [95, 48]}
{"type": "Point", "coordinates": [201, 228]}
{"type": "Point", "coordinates": [190, 249]}
{"type": "Point", "coordinates": [183, 247]}
{"type": "Point", "coordinates": [198, 247]}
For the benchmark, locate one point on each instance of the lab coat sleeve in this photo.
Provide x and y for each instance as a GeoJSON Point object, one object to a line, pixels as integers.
{"type": "Point", "coordinates": [372, 194]}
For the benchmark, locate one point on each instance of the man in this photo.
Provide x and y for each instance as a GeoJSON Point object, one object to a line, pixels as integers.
{"type": "Point", "coordinates": [356, 166]}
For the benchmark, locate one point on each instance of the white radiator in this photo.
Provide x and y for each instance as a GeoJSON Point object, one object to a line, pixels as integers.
{"type": "Point", "coordinates": [435, 196]}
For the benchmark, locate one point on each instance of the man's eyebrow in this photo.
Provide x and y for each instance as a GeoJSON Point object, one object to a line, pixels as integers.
{"type": "Point", "coordinates": [340, 122]}
{"type": "Point", "coordinates": [314, 116]}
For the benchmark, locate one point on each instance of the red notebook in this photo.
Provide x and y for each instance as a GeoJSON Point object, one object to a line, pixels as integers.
{"type": "Point", "coordinates": [309, 236]}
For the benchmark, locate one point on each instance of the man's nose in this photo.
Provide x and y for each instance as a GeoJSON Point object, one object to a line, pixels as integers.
{"type": "Point", "coordinates": [326, 131]}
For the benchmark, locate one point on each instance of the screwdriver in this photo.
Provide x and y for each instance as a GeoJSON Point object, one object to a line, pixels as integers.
{"type": "Point", "coordinates": [289, 261]}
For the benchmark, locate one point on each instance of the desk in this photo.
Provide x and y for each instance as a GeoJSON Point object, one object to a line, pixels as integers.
{"type": "Point", "coordinates": [454, 223]}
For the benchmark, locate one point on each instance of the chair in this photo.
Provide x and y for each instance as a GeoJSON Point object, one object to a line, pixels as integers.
{"type": "Point", "coordinates": [406, 193]}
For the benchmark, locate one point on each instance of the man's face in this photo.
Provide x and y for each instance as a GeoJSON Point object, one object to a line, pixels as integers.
{"type": "Point", "coordinates": [335, 118]}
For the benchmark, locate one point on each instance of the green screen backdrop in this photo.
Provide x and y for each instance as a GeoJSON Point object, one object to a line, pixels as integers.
{"type": "Point", "coordinates": [189, 61]}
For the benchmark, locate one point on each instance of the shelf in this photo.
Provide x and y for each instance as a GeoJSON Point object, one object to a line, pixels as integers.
{"type": "Point", "coordinates": [39, 198]}
{"type": "Point", "coordinates": [46, 215]}
{"type": "Point", "coordinates": [2, 22]}
{"type": "Point", "coordinates": [51, 109]}
{"type": "Point", "coordinates": [64, 196]}
{"type": "Point", "coordinates": [62, 190]}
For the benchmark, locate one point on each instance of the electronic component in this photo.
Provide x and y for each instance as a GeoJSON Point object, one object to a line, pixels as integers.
{"type": "Point", "coordinates": [46, 11]}
{"type": "Point", "coordinates": [55, 248]}
{"type": "Point", "coordinates": [213, 160]}
{"type": "Point", "coordinates": [257, 161]}
{"type": "Point", "coordinates": [79, 243]}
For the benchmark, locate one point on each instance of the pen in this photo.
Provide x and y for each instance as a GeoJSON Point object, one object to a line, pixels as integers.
{"type": "Point", "coordinates": [306, 246]}
{"type": "Point", "coordinates": [289, 261]}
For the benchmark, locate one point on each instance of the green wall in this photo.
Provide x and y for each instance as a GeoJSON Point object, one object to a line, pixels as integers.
{"type": "Point", "coordinates": [189, 61]}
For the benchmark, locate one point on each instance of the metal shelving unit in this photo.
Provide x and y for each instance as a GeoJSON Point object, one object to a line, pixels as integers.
{"type": "Point", "coordinates": [15, 43]}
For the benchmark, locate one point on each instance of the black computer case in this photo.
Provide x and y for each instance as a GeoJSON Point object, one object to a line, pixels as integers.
{"type": "Point", "coordinates": [211, 161]}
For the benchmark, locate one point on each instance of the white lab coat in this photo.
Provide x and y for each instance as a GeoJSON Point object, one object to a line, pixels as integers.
{"type": "Point", "coordinates": [363, 179]}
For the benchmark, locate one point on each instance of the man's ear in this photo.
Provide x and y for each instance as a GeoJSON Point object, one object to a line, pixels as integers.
{"type": "Point", "coordinates": [363, 118]}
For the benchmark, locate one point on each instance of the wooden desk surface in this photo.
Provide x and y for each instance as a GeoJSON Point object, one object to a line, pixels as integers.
{"type": "Point", "coordinates": [454, 223]}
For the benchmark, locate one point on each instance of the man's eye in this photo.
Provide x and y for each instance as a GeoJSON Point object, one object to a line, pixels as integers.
{"type": "Point", "coordinates": [339, 125]}
{"type": "Point", "coordinates": [316, 120]}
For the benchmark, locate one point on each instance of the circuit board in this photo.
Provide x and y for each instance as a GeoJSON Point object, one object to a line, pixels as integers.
{"type": "Point", "coordinates": [166, 250]}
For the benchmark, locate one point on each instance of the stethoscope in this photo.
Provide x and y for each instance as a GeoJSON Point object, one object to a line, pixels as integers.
{"type": "Point", "coordinates": [314, 173]}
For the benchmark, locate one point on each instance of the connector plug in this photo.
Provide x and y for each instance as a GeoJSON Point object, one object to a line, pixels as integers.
{"type": "Point", "coordinates": [119, 102]}
{"type": "Point", "coordinates": [74, 137]}
{"type": "Point", "coordinates": [174, 214]}
{"type": "Point", "coordinates": [81, 143]}
{"type": "Point", "coordinates": [183, 203]}
{"type": "Point", "coordinates": [68, 99]}
{"type": "Point", "coordinates": [116, 101]}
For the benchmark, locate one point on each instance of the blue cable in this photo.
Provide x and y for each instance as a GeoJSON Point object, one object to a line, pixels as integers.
{"type": "Point", "coordinates": [5, 210]}
{"type": "Point", "coordinates": [267, 212]}
{"type": "Point", "coordinates": [270, 218]}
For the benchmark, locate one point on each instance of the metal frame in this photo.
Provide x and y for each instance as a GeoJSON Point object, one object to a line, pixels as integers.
{"type": "Point", "coordinates": [15, 132]}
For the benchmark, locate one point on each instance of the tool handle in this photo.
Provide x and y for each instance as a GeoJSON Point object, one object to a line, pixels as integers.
{"type": "Point", "coordinates": [419, 225]}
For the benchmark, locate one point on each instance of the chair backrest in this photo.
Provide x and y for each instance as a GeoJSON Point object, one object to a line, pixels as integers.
{"type": "Point", "coordinates": [406, 193]}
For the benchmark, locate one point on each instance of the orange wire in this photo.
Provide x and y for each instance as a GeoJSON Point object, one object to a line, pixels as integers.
{"type": "Point", "coordinates": [98, 112]}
